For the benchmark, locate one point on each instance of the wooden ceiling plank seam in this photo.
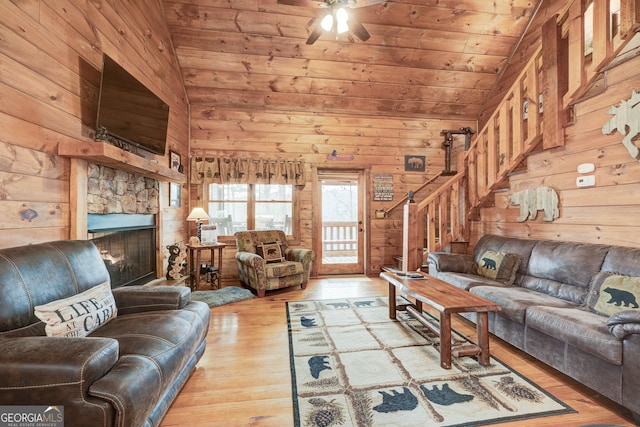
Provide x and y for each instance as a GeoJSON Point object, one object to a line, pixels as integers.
{"type": "Point", "coordinates": [297, 67]}
{"type": "Point", "coordinates": [270, 22]}
{"type": "Point", "coordinates": [304, 118]}
{"type": "Point", "coordinates": [282, 47]}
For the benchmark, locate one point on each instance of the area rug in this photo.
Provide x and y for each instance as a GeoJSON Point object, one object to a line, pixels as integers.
{"type": "Point", "coordinates": [352, 366]}
{"type": "Point", "coordinates": [222, 296]}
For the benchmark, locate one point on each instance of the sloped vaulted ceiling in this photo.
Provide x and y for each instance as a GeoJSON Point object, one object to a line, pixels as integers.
{"type": "Point", "coordinates": [427, 59]}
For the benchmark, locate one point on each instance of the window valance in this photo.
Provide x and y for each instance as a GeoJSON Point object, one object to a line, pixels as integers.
{"type": "Point", "coordinates": [225, 170]}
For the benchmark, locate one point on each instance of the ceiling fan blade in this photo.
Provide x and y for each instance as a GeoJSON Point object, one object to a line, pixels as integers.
{"type": "Point", "coordinates": [303, 3]}
{"type": "Point", "coordinates": [365, 3]}
{"type": "Point", "coordinates": [315, 33]}
{"type": "Point", "coordinates": [360, 31]}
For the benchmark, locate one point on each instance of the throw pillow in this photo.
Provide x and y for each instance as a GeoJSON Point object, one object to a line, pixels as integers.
{"type": "Point", "coordinates": [271, 252]}
{"type": "Point", "coordinates": [79, 315]}
{"type": "Point", "coordinates": [610, 293]}
{"type": "Point", "coordinates": [499, 266]}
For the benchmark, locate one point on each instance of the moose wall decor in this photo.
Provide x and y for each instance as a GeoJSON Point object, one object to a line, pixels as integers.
{"type": "Point", "coordinates": [626, 120]}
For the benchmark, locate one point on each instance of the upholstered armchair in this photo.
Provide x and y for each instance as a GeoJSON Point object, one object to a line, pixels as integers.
{"type": "Point", "coordinates": [266, 262]}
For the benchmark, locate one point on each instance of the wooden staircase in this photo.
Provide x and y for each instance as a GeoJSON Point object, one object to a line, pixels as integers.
{"type": "Point", "coordinates": [531, 117]}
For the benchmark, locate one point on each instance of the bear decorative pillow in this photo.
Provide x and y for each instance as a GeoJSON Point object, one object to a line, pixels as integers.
{"type": "Point", "coordinates": [499, 266]}
{"type": "Point", "coordinates": [271, 252]}
{"type": "Point", "coordinates": [611, 293]}
{"type": "Point", "coordinates": [79, 315]}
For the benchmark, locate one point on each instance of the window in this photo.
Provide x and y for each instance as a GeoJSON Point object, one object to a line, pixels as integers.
{"type": "Point", "coordinates": [614, 10]}
{"type": "Point", "coordinates": [588, 29]}
{"type": "Point", "coordinates": [236, 207]}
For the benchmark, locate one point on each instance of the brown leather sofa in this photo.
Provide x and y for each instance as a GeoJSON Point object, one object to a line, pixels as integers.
{"type": "Point", "coordinates": [125, 373]}
{"type": "Point", "coordinates": [546, 311]}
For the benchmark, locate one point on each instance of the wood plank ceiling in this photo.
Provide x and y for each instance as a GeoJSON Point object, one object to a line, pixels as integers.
{"type": "Point", "coordinates": [426, 59]}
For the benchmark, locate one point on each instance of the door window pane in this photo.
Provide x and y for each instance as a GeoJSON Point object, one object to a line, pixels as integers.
{"type": "Point", "coordinates": [339, 222]}
{"type": "Point", "coordinates": [339, 201]}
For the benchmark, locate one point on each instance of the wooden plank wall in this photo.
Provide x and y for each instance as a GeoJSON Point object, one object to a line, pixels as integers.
{"type": "Point", "coordinates": [606, 213]}
{"type": "Point", "coordinates": [377, 144]}
{"type": "Point", "coordinates": [50, 61]}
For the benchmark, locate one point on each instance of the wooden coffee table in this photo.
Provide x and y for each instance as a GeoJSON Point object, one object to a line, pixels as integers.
{"type": "Point", "coordinates": [446, 299]}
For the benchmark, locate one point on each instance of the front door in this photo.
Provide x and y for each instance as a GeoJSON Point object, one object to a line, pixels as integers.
{"type": "Point", "coordinates": [339, 222]}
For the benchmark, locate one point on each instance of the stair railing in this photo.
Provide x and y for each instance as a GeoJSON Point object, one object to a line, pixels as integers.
{"type": "Point", "coordinates": [531, 115]}
{"type": "Point", "coordinates": [509, 134]}
{"type": "Point", "coordinates": [420, 187]}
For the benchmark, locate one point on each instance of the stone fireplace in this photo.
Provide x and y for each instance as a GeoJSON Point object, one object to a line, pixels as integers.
{"type": "Point", "coordinates": [122, 209]}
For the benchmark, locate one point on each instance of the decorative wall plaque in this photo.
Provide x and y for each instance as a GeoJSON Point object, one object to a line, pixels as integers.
{"type": "Point", "coordinates": [382, 187]}
{"type": "Point", "coordinates": [414, 163]}
{"type": "Point", "coordinates": [626, 119]}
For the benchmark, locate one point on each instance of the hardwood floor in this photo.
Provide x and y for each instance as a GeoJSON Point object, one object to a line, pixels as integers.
{"type": "Point", "coordinates": [243, 379]}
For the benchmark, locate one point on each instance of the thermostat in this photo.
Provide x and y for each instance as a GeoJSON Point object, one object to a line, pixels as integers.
{"type": "Point", "coordinates": [586, 181]}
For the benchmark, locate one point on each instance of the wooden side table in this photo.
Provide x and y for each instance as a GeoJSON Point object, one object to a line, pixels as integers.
{"type": "Point", "coordinates": [195, 259]}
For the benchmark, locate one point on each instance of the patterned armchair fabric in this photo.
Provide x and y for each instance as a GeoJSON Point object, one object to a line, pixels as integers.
{"type": "Point", "coordinates": [262, 276]}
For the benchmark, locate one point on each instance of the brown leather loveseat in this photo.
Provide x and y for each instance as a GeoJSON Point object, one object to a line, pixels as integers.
{"type": "Point", "coordinates": [126, 372]}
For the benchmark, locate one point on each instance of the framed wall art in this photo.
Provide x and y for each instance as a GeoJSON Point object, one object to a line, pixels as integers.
{"type": "Point", "coordinates": [414, 163]}
{"type": "Point", "coordinates": [175, 196]}
{"type": "Point", "coordinates": [175, 162]}
{"type": "Point", "coordinates": [382, 187]}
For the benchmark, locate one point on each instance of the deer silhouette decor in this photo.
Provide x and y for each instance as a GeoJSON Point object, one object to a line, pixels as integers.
{"type": "Point", "coordinates": [626, 120]}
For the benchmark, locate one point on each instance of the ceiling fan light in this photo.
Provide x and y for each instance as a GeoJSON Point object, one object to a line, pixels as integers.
{"type": "Point", "coordinates": [342, 17]}
{"type": "Point", "coordinates": [327, 22]}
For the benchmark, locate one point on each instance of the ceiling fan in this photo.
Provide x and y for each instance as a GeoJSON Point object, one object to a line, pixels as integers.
{"type": "Point", "coordinates": [337, 20]}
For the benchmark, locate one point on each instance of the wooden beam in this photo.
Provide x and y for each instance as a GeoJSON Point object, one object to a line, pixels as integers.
{"type": "Point", "coordinates": [108, 155]}
{"type": "Point", "coordinates": [78, 182]}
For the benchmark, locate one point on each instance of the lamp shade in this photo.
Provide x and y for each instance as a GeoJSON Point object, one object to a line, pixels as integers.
{"type": "Point", "coordinates": [198, 214]}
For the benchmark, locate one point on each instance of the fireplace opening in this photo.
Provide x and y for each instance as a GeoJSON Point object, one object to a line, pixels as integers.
{"type": "Point", "coordinates": [127, 244]}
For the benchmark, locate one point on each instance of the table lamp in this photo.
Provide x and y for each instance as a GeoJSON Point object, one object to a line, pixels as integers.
{"type": "Point", "coordinates": [198, 215]}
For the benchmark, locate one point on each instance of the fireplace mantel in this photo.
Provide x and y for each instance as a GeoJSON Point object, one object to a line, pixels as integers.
{"type": "Point", "coordinates": [103, 153]}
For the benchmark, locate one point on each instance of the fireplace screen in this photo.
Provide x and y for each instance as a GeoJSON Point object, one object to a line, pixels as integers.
{"type": "Point", "coordinates": [128, 254]}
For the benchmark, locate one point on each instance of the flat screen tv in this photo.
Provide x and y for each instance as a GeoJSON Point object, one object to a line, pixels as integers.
{"type": "Point", "coordinates": [128, 111]}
